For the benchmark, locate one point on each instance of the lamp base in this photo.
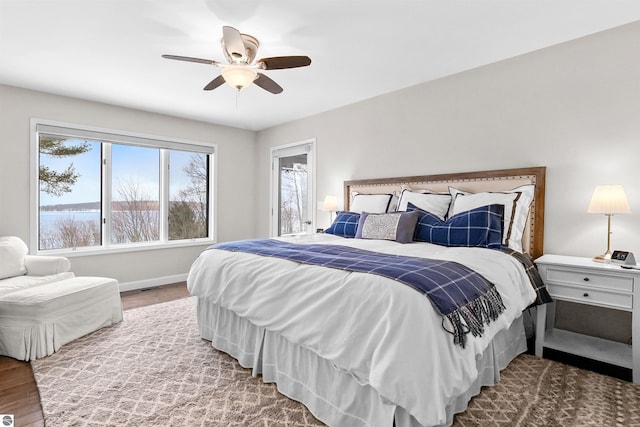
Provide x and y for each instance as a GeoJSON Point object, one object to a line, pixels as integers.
{"type": "Point", "coordinates": [605, 257]}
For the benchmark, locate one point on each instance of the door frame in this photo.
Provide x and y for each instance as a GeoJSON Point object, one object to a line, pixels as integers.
{"type": "Point", "coordinates": [307, 146]}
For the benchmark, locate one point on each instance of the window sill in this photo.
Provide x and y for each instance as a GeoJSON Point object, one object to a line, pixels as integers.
{"type": "Point", "coordinates": [141, 247]}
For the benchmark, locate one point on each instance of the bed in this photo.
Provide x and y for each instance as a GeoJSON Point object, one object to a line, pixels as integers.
{"type": "Point", "coordinates": [359, 348]}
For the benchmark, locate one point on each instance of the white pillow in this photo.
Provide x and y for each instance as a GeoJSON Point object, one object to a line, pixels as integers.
{"type": "Point", "coordinates": [437, 204]}
{"type": "Point", "coordinates": [372, 203]}
{"type": "Point", "coordinates": [12, 252]}
{"type": "Point", "coordinates": [393, 203]}
{"type": "Point", "coordinates": [516, 204]}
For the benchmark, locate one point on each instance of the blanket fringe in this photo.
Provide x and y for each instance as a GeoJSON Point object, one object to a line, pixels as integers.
{"type": "Point", "coordinates": [474, 315]}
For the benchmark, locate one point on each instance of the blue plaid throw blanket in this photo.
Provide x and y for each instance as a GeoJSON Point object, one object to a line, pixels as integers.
{"type": "Point", "coordinates": [459, 294]}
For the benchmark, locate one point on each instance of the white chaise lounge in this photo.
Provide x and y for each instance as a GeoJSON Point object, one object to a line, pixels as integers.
{"type": "Point", "coordinates": [43, 305]}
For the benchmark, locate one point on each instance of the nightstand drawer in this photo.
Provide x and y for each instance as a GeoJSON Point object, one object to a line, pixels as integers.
{"type": "Point", "coordinates": [587, 278]}
{"type": "Point", "coordinates": [592, 296]}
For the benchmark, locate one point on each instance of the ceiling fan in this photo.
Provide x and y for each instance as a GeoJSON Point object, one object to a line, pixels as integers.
{"type": "Point", "coordinates": [240, 51]}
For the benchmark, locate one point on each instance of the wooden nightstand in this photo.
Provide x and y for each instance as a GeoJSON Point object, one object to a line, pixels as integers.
{"type": "Point", "coordinates": [584, 281]}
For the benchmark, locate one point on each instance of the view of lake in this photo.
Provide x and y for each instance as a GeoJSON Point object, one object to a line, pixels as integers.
{"type": "Point", "coordinates": [48, 218]}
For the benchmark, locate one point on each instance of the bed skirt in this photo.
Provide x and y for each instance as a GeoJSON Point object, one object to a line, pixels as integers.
{"type": "Point", "coordinates": [332, 395]}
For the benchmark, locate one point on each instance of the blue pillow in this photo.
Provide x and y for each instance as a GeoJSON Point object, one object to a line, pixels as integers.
{"type": "Point", "coordinates": [479, 227]}
{"type": "Point", "coordinates": [345, 224]}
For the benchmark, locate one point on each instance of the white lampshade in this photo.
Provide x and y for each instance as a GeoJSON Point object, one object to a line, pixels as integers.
{"type": "Point", "coordinates": [239, 76]}
{"type": "Point", "coordinates": [609, 199]}
{"type": "Point", "coordinates": [330, 204]}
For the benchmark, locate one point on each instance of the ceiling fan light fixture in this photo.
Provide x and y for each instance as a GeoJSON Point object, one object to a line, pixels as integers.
{"type": "Point", "coordinates": [239, 76]}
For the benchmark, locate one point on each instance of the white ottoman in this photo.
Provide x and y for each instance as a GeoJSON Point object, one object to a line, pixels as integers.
{"type": "Point", "coordinates": [35, 322]}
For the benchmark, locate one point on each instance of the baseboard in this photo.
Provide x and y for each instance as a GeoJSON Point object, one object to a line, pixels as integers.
{"type": "Point", "coordinates": [152, 283]}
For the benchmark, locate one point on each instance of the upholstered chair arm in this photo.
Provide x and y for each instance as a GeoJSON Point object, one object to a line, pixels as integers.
{"type": "Point", "coordinates": [38, 265]}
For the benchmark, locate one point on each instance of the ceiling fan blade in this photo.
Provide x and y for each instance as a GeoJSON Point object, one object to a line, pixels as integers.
{"type": "Point", "coordinates": [190, 59]}
{"type": "Point", "coordinates": [267, 84]}
{"type": "Point", "coordinates": [214, 83]}
{"type": "Point", "coordinates": [281, 62]}
{"type": "Point", "coordinates": [233, 43]}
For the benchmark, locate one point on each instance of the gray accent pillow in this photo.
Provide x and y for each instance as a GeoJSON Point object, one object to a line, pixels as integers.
{"type": "Point", "coordinates": [398, 226]}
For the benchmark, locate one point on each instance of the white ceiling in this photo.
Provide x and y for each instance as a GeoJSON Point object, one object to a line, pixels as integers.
{"type": "Point", "coordinates": [109, 50]}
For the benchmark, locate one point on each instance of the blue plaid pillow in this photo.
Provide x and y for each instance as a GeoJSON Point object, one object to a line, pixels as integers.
{"type": "Point", "coordinates": [345, 224]}
{"type": "Point", "coordinates": [479, 227]}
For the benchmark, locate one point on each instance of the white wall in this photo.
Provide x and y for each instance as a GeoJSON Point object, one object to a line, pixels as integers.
{"type": "Point", "coordinates": [235, 148]}
{"type": "Point", "coordinates": [574, 108]}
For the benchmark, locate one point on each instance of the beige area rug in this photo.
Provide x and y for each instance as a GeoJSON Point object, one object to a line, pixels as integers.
{"type": "Point", "coordinates": [154, 370]}
{"type": "Point", "coordinates": [540, 392]}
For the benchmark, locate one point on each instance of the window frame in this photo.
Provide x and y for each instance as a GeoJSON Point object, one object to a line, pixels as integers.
{"type": "Point", "coordinates": [107, 137]}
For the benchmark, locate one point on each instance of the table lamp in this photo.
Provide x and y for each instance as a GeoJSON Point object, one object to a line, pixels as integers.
{"type": "Point", "coordinates": [330, 205]}
{"type": "Point", "coordinates": [608, 200]}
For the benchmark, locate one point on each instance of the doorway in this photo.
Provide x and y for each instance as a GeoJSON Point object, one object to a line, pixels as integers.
{"type": "Point", "coordinates": [292, 188]}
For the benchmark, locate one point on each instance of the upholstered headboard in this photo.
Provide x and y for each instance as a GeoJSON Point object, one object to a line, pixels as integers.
{"type": "Point", "coordinates": [495, 180]}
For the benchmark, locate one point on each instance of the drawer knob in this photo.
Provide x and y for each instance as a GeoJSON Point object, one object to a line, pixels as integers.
{"type": "Point", "coordinates": [586, 294]}
{"type": "Point", "coordinates": [586, 279]}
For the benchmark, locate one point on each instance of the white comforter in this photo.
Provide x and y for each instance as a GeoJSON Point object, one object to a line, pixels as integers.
{"type": "Point", "coordinates": [382, 332]}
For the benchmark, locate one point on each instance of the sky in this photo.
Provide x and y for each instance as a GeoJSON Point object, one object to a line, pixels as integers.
{"type": "Point", "coordinates": [129, 164]}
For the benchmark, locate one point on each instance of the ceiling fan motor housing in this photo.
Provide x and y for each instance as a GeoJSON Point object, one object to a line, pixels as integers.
{"type": "Point", "coordinates": [251, 45]}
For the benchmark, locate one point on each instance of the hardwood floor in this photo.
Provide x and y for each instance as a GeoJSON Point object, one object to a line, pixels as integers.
{"type": "Point", "coordinates": [18, 391]}
{"type": "Point", "coordinates": [142, 297]}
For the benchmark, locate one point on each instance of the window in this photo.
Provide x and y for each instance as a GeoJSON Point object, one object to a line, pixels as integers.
{"type": "Point", "coordinates": [189, 197]}
{"type": "Point", "coordinates": [70, 212]}
{"type": "Point", "coordinates": [105, 190]}
{"type": "Point", "coordinates": [135, 198]}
